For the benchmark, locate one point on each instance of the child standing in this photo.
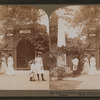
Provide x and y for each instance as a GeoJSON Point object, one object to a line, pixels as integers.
{"type": "Point", "coordinates": [32, 71]}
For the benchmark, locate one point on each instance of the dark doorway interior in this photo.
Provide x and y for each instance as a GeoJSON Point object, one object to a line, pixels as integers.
{"type": "Point", "coordinates": [25, 53]}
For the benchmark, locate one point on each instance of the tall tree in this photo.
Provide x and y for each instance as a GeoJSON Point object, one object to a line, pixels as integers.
{"type": "Point", "coordinates": [87, 20]}
{"type": "Point", "coordinates": [11, 16]}
{"type": "Point", "coordinates": [20, 17]}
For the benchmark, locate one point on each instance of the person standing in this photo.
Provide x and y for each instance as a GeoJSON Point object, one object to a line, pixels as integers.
{"type": "Point", "coordinates": [3, 65]}
{"type": "Point", "coordinates": [39, 65]}
{"type": "Point", "coordinates": [10, 69]}
{"type": "Point", "coordinates": [92, 69]}
{"type": "Point", "coordinates": [33, 70]}
{"type": "Point", "coordinates": [75, 65]}
{"type": "Point", "coordinates": [32, 66]}
{"type": "Point", "coordinates": [86, 66]}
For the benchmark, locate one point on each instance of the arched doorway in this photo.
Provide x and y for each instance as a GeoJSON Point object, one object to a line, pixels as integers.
{"type": "Point", "coordinates": [25, 53]}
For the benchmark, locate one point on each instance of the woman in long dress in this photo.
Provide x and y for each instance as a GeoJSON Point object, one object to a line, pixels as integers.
{"type": "Point", "coordinates": [10, 69]}
{"type": "Point", "coordinates": [3, 65]}
{"type": "Point", "coordinates": [92, 70]}
{"type": "Point", "coordinates": [39, 65]}
{"type": "Point", "coordinates": [86, 66]}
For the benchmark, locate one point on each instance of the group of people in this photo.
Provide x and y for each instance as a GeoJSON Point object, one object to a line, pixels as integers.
{"type": "Point", "coordinates": [7, 65]}
{"type": "Point", "coordinates": [89, 67]}
{"type": "Point", "coordinates": [37, 68]}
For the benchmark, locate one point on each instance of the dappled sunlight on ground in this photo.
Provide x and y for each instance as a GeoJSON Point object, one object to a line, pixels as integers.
{"type": "Point", "coordinates": [80, 82]}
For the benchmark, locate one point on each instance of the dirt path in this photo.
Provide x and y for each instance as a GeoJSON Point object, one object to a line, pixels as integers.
{"type": "Point", "coordinates": [20, 81]}
{"type": "Point", "coordinates": [88, 82]}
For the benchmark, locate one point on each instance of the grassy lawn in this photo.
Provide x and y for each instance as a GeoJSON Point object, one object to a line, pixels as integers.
{"type": "Point", "coordinates": [64, 84]}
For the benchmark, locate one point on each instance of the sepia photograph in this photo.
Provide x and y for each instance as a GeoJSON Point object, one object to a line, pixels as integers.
{"type": "Point", "coordinates": [75, 48]}
{"type": "Point", "coordinates": [24, 48]}
{"type": "Point", "coordinates": [53, 48]}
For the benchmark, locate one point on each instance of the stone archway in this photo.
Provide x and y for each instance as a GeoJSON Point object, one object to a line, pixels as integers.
{"type": "Point", "coordinates": [25, 53]}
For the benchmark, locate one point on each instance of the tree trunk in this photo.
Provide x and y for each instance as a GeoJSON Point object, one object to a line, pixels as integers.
{"type": "Point", "coordinates": [80, 64]}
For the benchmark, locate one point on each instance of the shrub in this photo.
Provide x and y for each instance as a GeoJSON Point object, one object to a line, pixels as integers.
{"type": "Point", "coordinates": [61, 72]}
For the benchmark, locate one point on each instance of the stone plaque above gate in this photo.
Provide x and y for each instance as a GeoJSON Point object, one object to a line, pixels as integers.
{"type": "Point", "coordinates": [24, 31]}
